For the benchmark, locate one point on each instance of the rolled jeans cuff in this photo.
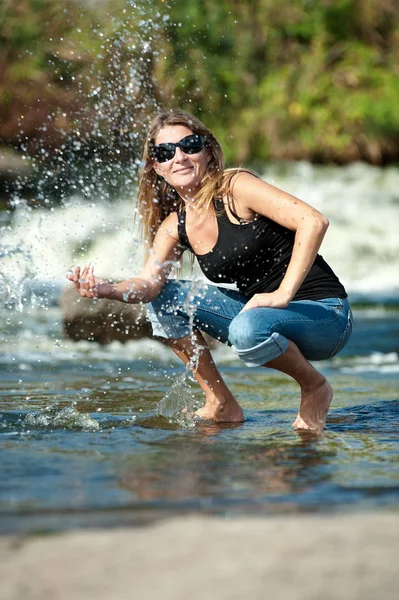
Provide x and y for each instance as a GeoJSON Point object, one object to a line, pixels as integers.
{"type": "Point", "coordinates": [262, 353]}
{"type": "Point", "coordinates": [169, 326]}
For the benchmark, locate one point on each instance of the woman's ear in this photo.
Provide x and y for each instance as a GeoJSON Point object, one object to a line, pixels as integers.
{"type": "Point", "coordinates": [156, 167]}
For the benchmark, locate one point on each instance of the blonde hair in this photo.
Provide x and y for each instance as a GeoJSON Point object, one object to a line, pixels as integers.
{"type": "Point", "coordinates": [156, 198]}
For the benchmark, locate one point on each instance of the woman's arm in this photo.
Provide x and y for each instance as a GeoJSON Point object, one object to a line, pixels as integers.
{"type": "Point", "coordinates": [147, 285]}
{"type": "Point", "coordinates": [252, 195]}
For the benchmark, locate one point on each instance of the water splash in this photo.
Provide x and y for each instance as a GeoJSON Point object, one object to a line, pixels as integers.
{"type": "Point", "coordinates": [96, 160]}
{"type": "Point", "coordinates": [66, 418]}
{"type": "Point", "coordinates": [178, 404]}
{"type": "Point", "coordinates": [115, 95]}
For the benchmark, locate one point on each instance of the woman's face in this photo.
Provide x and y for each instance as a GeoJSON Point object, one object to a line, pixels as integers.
{"type": "Point", "coordinates": [184, 172]}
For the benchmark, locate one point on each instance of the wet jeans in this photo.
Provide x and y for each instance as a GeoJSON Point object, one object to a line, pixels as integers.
{"type": "Point", "coordinates": [320, 328]}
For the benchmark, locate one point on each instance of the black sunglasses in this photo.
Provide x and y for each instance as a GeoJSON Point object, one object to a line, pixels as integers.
{"type": "Point", "coordinates": [191, 144]}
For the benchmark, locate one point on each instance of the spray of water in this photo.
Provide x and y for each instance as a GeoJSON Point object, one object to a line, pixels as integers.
{"type": "Point", "coordinates": [179, 404]}
{"type": "Point", "coordinates": [65, 418]}
{"type": "Point", "coordinates": [97, 161]}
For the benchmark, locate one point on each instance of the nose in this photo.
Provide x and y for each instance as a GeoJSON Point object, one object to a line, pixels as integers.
{"type": "Point", "coordinates": [179, 154]}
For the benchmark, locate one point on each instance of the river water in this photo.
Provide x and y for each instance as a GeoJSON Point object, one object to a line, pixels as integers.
{"type": "Point", "coordinates": [81, 439]}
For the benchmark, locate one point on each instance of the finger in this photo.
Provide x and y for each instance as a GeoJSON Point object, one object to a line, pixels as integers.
{"type": "Point", "coordinates": [85, 271]}
{"type": "Point", "coordinates": [76, 274]}
{"type": "Point", "coordinates": [246, 307]}
{"type": "Point", "coordinates": [250, 304]}
{"type": "Point", "coordinates": [73, 275]}
{"type": "Point", "coordinates": [85, 277]}
{"type": "Point", "coordinates": [92, 282]}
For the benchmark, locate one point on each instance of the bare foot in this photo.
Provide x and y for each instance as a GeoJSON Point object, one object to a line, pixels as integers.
{"type": "Point", "coordinates": [221, 410]}
{"type": "Point", "coordinates": [314, 407]}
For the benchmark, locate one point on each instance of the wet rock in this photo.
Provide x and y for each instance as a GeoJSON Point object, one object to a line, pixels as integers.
{"type": "Point", "coordinates": [102, 321]}
{"type": "Point", "coordinates": [105, 321]}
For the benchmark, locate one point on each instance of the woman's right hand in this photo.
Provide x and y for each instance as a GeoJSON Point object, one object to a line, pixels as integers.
{"type": "Point", "coordinates": [84, 281]}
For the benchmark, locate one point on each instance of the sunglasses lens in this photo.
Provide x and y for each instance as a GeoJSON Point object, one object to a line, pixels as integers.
{"type": "Point", "coordinates": [192, 144]}
{"type": "Point", "coordinates": [164, 152]}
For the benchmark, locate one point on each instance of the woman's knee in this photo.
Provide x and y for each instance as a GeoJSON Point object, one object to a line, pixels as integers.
{"type": "Point", "coordinates": [246, 330]}
{"type": "Point", "coordinates": [253, 341]}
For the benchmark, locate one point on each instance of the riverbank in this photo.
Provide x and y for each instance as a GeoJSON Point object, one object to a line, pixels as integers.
{"type": "Point", "coordinates": [285, 557]}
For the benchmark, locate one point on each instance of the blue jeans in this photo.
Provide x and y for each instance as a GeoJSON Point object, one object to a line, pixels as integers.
{"type": "Point", "coordinates": [320, 328]}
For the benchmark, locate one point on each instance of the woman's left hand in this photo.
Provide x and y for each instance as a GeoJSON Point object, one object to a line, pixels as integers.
{"type": "Point", "coordinates": [277, 299]}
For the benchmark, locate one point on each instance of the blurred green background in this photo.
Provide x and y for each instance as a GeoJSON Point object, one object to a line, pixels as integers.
{"type": "Point", "coordinates": [280, 80]}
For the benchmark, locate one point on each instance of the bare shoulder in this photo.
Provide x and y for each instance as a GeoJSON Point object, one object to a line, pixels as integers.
{"type": "Point", "coordinates": [244, 179]}
{"type": "Point", "coordinates": [248, 188]}
{"type": "Point", "coordinates": [169, 226]}
{"type": "Point", "coordinates": [242, 184]}
{"type": "Point", "coordinates": [239, 176]}
{"type": "Point", "coordinates": [252, 194]}
{"type": "Point", "coordinates": [239, 187]}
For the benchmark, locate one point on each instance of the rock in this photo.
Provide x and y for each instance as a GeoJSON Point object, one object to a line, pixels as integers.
{"type": "Point", "coordinates": [105, 321]}
{"type": "Point", "coordinates": [102, 321]}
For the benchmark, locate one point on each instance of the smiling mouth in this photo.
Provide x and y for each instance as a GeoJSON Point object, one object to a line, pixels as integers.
{"type": "Point", "coordinates": [184, 169]}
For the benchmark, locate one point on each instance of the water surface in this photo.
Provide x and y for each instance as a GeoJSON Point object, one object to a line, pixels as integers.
{"type": "Point", "coordinates": [82, 443]}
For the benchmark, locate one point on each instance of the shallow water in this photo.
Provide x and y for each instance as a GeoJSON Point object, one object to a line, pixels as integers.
{"type": "Point", "coordinates": [81, 439]}
{"type": "Point", "coordinates": [82, 443]}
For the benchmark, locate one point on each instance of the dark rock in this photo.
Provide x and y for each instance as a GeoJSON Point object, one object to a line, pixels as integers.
{"type": "Point", "coordinates": [105, 321]}
{"type": "Point", "coordinates": [102, 321]}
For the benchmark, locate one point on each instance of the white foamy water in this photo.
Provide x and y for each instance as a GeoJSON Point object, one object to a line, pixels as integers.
{"type": "Point", "coordinates": [377, 362]}
{"type": "Point", "coordinates": [41, 245]}
{"type": "Point", "coordinates": [362, 244]}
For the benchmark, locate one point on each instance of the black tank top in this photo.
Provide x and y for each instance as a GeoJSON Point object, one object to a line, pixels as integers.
{"type": "Point", "coordinates": [254, 255]}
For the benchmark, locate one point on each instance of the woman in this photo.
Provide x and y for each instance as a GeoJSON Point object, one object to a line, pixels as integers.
{"type": "Point", "coordinates": [289, 307]}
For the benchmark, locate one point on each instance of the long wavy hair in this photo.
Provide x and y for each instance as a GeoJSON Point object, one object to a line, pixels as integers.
{"type": "Point", "coordinates": [156, 198]}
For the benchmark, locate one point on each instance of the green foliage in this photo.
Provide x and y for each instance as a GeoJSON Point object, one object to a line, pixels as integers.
{"type": "Point", "coordinates": [295, 79]}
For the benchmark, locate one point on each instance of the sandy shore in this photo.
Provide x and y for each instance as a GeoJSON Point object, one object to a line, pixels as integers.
{"type": "Point", "coordinates": [281, 558]}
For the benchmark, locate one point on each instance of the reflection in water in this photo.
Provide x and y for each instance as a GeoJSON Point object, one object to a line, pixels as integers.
{"type": "Point", "coordinates": [211, 469]}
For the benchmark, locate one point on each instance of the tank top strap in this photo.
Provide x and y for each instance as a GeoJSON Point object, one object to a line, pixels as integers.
{"type": "Point", "coordinates": [181, 228]}
{"type": "Point", "coordinates": [219, 206]}
{"type": "Point", "coordinates": [223, 210]}
{"type": "Point", "coordinates": [222, 213]}
{"type": "Point", "coordinates": [239, 219]}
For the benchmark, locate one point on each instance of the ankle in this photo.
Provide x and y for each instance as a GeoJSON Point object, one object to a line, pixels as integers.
{"type": "Point", "coordinates": [211, 399]}
{"type": "Point", "coordinates": [315, 384]}
{"type": "Point", "coordinates": [222, 400]}
{"type": "Point", "coordinates": [223, 409]}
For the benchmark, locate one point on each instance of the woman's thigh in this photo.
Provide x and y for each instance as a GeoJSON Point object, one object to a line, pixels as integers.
{"type": "Point", "coordinates": [319, 328]}
{"type": "Point", "coordinates": [182, 305]}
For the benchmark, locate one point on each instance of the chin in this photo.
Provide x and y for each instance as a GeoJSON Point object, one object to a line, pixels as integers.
{"type": "Point", "coordinates": [187, 182]}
